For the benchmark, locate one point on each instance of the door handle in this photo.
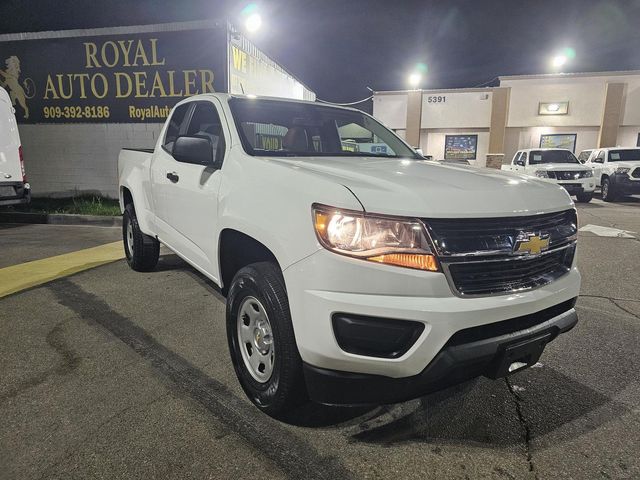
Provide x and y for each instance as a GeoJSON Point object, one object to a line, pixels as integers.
{"type": "Point", "coordinates": [173, 176]}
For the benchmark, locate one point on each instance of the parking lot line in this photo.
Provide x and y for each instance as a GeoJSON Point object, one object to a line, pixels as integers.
{"type": "Point", "coordinates": [26, 275]}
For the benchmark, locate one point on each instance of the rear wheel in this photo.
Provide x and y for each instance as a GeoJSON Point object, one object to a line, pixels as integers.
{"type": "Point", "coordinates": [261, 340]}
{"type": "Point", "coordinates": [608, 191]}
{"type": "Point", "coordinates": [584, 197]}
{"type": "Point", "coordinates": [142, 251]}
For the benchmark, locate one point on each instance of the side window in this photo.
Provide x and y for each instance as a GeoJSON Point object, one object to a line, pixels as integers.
{"type": "Point", "coordinates": [600, 157]}
{"type": "Point", "coordinates": [175, 125]}
{"type": "Point", "coordinates": [516, 157]}
{"type": "Point", "coordinates": [523, 159]}
{"type": "Point", "coordinates": [205, 123]}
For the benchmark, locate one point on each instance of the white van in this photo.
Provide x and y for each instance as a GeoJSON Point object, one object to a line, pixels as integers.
{"type": "Point", "coordinates": [14, 188]}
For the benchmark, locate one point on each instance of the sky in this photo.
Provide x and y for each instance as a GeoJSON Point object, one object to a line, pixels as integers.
{"type": "Point", "coordinates": [340, 47]}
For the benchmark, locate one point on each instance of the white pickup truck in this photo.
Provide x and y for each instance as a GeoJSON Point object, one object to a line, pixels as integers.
{"type": "Point", "coordinates": [355, 271]}
{"type": "Point", "coordinates": [558, 166]}
{"type": "Point", "coordinates": [616, 171]}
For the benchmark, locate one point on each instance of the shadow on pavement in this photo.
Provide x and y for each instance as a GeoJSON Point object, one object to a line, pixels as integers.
{"type": "Point", "coordinates": [487, 413]}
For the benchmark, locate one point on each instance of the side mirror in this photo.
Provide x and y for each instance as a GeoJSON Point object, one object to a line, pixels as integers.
{"type": "Point", "coordinates": [419, 151]}
{"type": "Point", "coordinates": [520, 163]}
{"type": "Point", "coordinates": [197, 150]}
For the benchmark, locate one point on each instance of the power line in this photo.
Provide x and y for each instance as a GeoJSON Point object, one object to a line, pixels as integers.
{"type": "Point", "coordinates": [345, 104]}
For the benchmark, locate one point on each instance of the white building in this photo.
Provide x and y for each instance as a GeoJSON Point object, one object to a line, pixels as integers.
{"type": "Point", "coordinates": [484, 125]}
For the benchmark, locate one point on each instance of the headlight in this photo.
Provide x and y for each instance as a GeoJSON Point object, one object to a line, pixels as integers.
{"type": "Point", "coordinates": [586, 174]}
{"type": "Point", "coordinates": [542, 174]}
{"type": "Point", "coordinates": [622, 170]}
{"type": "Point", "coordinates": [377, 238]}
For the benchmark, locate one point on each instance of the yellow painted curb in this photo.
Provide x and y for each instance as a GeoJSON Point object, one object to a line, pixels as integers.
{"type": "Point", "coordinates": [29, 274]}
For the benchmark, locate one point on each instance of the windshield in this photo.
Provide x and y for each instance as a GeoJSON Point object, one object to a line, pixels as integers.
{"type": "Point", "coordinates": [624, 155]}
{"type": "Point", "coordinates": [552, 156]}
{"type": "Point", "coordinates": [279, 128]}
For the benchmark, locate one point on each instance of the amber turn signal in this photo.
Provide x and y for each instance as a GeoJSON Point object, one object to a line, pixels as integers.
{"type": "Point", "coordinates": [408, 260]}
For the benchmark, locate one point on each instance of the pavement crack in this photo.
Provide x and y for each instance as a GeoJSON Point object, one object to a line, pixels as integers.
{"type": "Point", "coordinates": [70, 361]}
{"type": "Point", "coordinates": [526, 429]}
{"type": "Point", "coordinates": [635, 315]}
{"type": "Point", "coordinates": [610, 298]}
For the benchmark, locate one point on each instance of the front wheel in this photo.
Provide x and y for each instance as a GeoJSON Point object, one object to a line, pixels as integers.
{"type": "Point", "coordinates": [142, 251]}
{"type": "Point", "coordinates": [584, 197]}
{"type": "Point", "coordinates": [261, 341]}
{"type": "Point", "coordinates": [608, 192]}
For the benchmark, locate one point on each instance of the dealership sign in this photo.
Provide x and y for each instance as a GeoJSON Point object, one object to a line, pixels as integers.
{"type": "Point", "coordinates": [111, 78]}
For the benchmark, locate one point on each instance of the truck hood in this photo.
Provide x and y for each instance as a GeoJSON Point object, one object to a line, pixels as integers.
{"type": "Point", "coordinates": [629, 163]}
{"type": "Point", "coordinates": [429, 189]}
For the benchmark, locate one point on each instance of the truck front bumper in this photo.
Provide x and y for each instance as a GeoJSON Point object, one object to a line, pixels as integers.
{"type": "Point", "coordinates": [583, 185]}
{"type": "Point", "coordinates": [325, 285]}
{"type": "Point", "coordinates": [468, 354]}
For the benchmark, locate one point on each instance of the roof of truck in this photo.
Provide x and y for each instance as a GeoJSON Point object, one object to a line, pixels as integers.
{"type": "Point", "coordinates": [543, 149]}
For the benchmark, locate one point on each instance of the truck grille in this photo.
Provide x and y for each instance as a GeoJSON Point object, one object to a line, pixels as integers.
{"type": "Point", "coordinates": [491, 277]}
{"type": "Point", "coordinates": [483, 257]}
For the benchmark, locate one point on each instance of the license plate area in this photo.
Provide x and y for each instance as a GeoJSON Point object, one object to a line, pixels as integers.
{"type": "Point", "coordinates": [7, 191]}
{"type": "Point", "coordinates": [518, 356]}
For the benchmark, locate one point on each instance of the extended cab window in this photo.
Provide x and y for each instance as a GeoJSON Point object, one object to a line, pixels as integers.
{"type": "Point", "coordinates": [631, 155]}
{"type": "Point", "coordinates": [205, 123]}
{"type": "Point", "coordinates": [175, 126]}
{"type": "Point", "coordinates": [276, 128]}
{"type": "Point", "coordinates": [552, 156]}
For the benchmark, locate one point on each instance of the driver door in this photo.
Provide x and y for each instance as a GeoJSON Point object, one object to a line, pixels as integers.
{"type": "Point", "coordinates": [188, 192]}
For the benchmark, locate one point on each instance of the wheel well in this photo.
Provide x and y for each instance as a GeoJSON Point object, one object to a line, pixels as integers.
{"type": "Point", "coordinates": [127, 198]}
{"type": "Point", "coordinates": [237, 250]}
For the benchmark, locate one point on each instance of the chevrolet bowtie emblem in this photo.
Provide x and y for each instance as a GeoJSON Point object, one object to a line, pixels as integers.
{"type": "Point", "coordinates": [531, 243]}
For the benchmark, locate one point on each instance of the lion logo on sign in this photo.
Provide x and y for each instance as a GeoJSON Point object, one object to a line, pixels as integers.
{"type": "Point", "coordinates": [10, 79]}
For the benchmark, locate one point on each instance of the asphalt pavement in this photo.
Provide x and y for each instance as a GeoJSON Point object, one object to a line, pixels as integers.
{"type": "Point", "coordinates": [109, 373]}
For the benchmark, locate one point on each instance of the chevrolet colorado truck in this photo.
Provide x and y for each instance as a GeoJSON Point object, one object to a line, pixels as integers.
{"type": "Point", "coordinates": [355, 271]}
{"type": "Point", "coordinates": [556, 165]}
{"type": "Point", "coordinates": [616, 171]}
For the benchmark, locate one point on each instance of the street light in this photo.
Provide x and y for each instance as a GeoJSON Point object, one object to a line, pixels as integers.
{"type": "Point", "coordinates": [253, 22]}
{"type": "Point", "coordinates": [559, 61]}
{"type": "Point", "coordinates": [415, 79]}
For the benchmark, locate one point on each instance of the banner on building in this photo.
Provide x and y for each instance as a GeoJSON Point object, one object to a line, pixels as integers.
{"type": "Point", "coordinates": [122, 78]}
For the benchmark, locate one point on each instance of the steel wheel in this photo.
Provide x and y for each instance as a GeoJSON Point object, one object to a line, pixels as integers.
{"type": "Point", "coordinates": [130, 238]}
{"type": "Point", "coordinates": [255, 339]}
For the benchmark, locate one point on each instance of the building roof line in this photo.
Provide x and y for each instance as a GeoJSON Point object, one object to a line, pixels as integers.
{"type": "Point", "coordinates": [569, 75]}
{"type": "Point", "coordinates": [88, 32]}
{"type": "Point", "coordinates": [436, 90]}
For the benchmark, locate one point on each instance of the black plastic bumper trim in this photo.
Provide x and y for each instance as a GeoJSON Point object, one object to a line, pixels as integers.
{"type": "Point", "coordinates": [375, 336]}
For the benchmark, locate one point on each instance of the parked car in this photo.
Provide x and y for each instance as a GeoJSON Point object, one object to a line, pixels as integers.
{"type": "Point", "coordinates": [584, 156]}
{"type": "Point", "coordinates": [616, 171]}
{"type": "Point", "coordinates": [14, 188]}
{"type": "Point", "coordinates": [558, 166]}
{"type": "Point", "coordinates": [351, 277]}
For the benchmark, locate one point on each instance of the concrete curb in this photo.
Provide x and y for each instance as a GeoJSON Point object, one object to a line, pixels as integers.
{"type": "Point", "coordinates": [60, 219]}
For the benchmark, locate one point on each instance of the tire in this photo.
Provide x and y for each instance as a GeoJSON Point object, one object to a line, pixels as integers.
{"type": "Point", "coordinates": [608, 191]}
{"type": "Point", "coordinates": [257, 293]}
{"type": "Point", "coordinates": [142, 251]}
{"type": "Point", "coordinates": [584, 197]}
